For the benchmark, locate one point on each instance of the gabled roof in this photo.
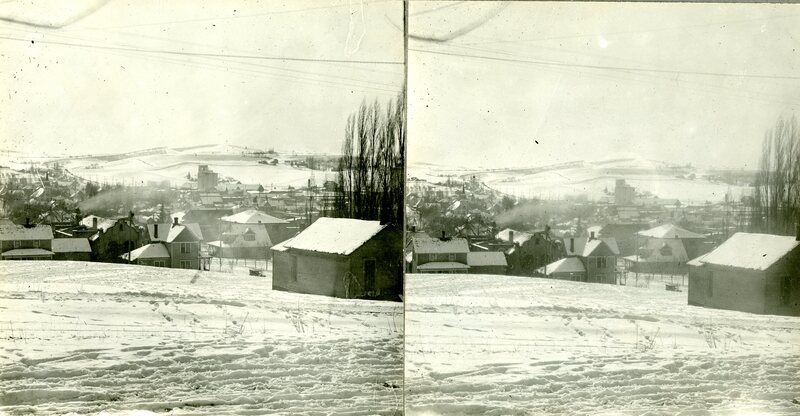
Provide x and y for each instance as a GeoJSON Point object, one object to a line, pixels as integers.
{"type": "Point", "coordinates": [281, 246]}
{"type": "Point", "coordinates": [486, 258]}
{"type": "Point", "coordinates": [669, 231]}
{"type": "Point", "coordinates": [588, 247]}
{"type": "Point", "coordinates": [335, 235]}
{"type": "Point", "coordinates": [169, 232]}
{"type": "Point", "coordinates": [71, 245]}
{"type": "Point", "coordinates": [565, 265]}
{"type": "Point", "coordinates": [150, 251]}
{"type": "Point", "coordinates": [654, 251]}
{"type": "Point", "coordinates": [751, 251]}
{"type": "Point", "coordinates": [252, 216]}
{"type": "Point", "coordinates": [428, 245]}
{"type": "Point", "coordinates": [19, 232]}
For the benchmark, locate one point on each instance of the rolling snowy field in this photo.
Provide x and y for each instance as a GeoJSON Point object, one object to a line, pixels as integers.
{"type": "Point", "coordinates": [502, 345]}
{"type": "Point", "coordinates": [91, 337]}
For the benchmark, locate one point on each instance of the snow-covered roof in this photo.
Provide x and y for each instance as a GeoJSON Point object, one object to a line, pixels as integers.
{"type": "Point", "coordinates": [519, 236]}
{"type": "Point", "coordinates": [587, 246]}
{"type": "Point", "coordinates": [102, 223]}
{"type": "Point", "coordinates": [150, 251]}
{"type": "Point", "coordinates": [252, 216]}
{"type": "Point", "coordinates": [169, 232]}
{"type": "Point", "coordinates": [71, 245]}
{"type": "Point", "coordinates": [656, 250]}
{"type": "Point", "coordinates": [565, 265]}
{"type": "Point", "coordinates": [281, 246]}
{"type": "Point", "coordinates": [751, 251]}
{"type": "Point", "coordinates": [428, 245]}
{"type": "Point", "coordinates": [486, 258]}
{"type": "Point", "coordinates": [19, 232]}
{"type": "Point", "coordinates": [442, 265]}
{"type": "Point", "coordinates": [335, 235]}
{"type": "Point", "coordinates": [669, 231]}
{"type": "Point", "coordinates": [20, 252]}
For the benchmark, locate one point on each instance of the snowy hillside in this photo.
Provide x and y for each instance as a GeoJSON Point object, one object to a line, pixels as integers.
{"type": "Point", "coordinates": [85, 338]}
{"type": "Point", "coordinates": [591, 178]}
{"type": "Point", "coordinates": [165, 164]}
{"type": "Point", "coordinates": [500, 345]}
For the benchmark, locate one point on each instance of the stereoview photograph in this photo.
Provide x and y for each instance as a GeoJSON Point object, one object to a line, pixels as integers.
{"type": "Point", "coordinates": [602, 209]}
{"type": "Point", "coordinates": [206, 202]}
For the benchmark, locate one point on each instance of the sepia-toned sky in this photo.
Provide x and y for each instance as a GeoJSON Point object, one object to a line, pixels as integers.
{"type": "Point", "coordinates": [121, 76]}
{"type": "Point", "coordinates": [488, 81]}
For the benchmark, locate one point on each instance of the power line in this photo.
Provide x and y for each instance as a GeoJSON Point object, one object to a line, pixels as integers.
{"type": "Point", "coordinates": [216, 55]}
{"type": "Point", "coordinates": [605, 67]}
{"type": "Point", "coordinates": [209, 19]}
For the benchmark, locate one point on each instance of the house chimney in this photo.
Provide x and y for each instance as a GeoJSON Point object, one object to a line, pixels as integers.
{"type": "Point", "coordinates": [174, 221]}
{"type": "Point", "coordinates": [511, 236]}
{"type": "Point", "coordinates": [413, 228]}
{"type": "Point", "coordinates": [27, 222]}
{"type": "Point", "coordinates": [155, 230]}
{"type": "Point", "coordinates": [572, 244]}
{"type": "Point", "coordinates": [94, 222]}
{"type": "Point", "coordinates": [444, 235]}
{"type": "Point", "coordinates": [797, 233]}
{"type": "Point", "coordinates": [591, 235]}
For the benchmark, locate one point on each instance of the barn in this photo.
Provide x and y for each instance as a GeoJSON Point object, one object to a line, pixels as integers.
{"type": "Point", "coordinates": [341, 257]}
{"type": "Point", "coordinates": [758, 273]}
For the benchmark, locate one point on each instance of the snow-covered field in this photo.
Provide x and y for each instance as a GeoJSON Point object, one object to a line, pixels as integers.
{"type": "Point", "coordinates": [91, 337]}
{"type": "Point", "coordinates": [502, 345]}
{"type": "Point", "coordinates": [590, 178]}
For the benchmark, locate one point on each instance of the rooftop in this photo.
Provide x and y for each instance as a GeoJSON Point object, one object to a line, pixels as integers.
{"type": "Point", "coordinates": [442, 265]}
{"type": "Point", "coordinates": [19, 232]}
{"type": "Point", "coordinates": [252, 216]}
{"type": "Point", "coordinates": [150, 251]}
{"type": "Point", "coordinates": [429, 245]}
{"type": "Point", "coordinates": [565, 265]}
{"type": "Point", "coordinates": [669, 231]}
{"type": "Point", "coordinates": [751, 251]}
{"type": "Point", "coordinates": [486, 258]}
{"type": "Point", "coordinates": [71, 245]}
{"type": "Point", "coordinates": [335, 235]}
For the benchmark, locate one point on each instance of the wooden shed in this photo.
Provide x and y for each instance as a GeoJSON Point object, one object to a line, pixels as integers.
{"type": "Point", "coordinates": [758, 273]}
{"type": "Point", "coordinates": [341, 257]}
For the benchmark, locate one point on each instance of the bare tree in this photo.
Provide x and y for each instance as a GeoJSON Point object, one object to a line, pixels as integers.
{"type": "Point", "coordinates": [371, 170]}
{"type": "Point", "coordinates": [776, 206]}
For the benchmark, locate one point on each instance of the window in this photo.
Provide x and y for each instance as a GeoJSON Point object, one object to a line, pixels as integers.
{"type": "Point", "coordinates": [186, 264]}
{"type": "Point", "coordinates": [369, 275]}
{"type": "Point", "coordinates": [17, 243]}
{"type": "Point", "coordinates": [36, 243]}
{"type": "Point", "coordinates": [666, 250]}
{"type": "Point", "coordinates": [186, 248]}
{"type": "Point", "coordinates": [451, 257]}
{"type": "Point", "coordinates": [158, 263]}
{"type": "Point", "coordinates": [293, 271]}
{"type": "Point", "coordinates": [601, 262]}
{"type": "Point", "coordinates": [433, 257]}
{"type": "Point", "coordinates": [249, 237]}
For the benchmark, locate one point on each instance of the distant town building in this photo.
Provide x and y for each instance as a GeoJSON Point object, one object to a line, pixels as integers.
{"type": "Point", "coordinates": [589, 259]}
{"type": "Point", "coordinates": [341, 257]}
{"type": "Point", "coordinates": [172, 245]}
{"type": "Point", "coordinates": [528, 251]}
{"type": "Point", "coordinates": [438, 255]}
{"type": "Point", "coordinates": [756, 273]}
{"type": "Point", "coordinates": [206, 179]}
{"type": "Point", "coordinates": [112, 238]}
{"type": "Point", "coordinates": [75, 249]}
{"type": "Point", "coordinates": [487, 262]}
{"type": "Point", "coordinates": [665, 249]}
{"type": "Point", "coordinates": [626, 236]}
{"type": "Point", "coordinates": [26, 242]}
{"type": "Point", "coordinates": [624, 193]}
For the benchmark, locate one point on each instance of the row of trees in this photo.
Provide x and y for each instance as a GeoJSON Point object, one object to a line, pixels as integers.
{"type": "Point", "coordinates": [371, 171]}
{"type": "Point", "coordinates": [776, 205]}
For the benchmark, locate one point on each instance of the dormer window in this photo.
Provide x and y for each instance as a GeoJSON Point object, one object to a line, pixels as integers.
{"type": "Point", "coordinates": [666, 250]}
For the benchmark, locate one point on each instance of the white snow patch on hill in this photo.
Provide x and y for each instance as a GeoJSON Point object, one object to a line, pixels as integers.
{"type": "Point", "coordinates": [91, 337]}
{"type": "Point", "coordinates": [502, 345]}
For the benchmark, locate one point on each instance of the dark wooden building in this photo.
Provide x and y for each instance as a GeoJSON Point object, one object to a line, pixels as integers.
{"type": "Point", "coordinates": [341, 257]}
{"type": "Point", "coordinates": [758, 273]}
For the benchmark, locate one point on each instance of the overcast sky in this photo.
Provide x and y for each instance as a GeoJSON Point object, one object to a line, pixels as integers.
{"type": "Point", "coordinates": [590, 92]}
{"type": "Point", "coordinates": [78, 89]}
